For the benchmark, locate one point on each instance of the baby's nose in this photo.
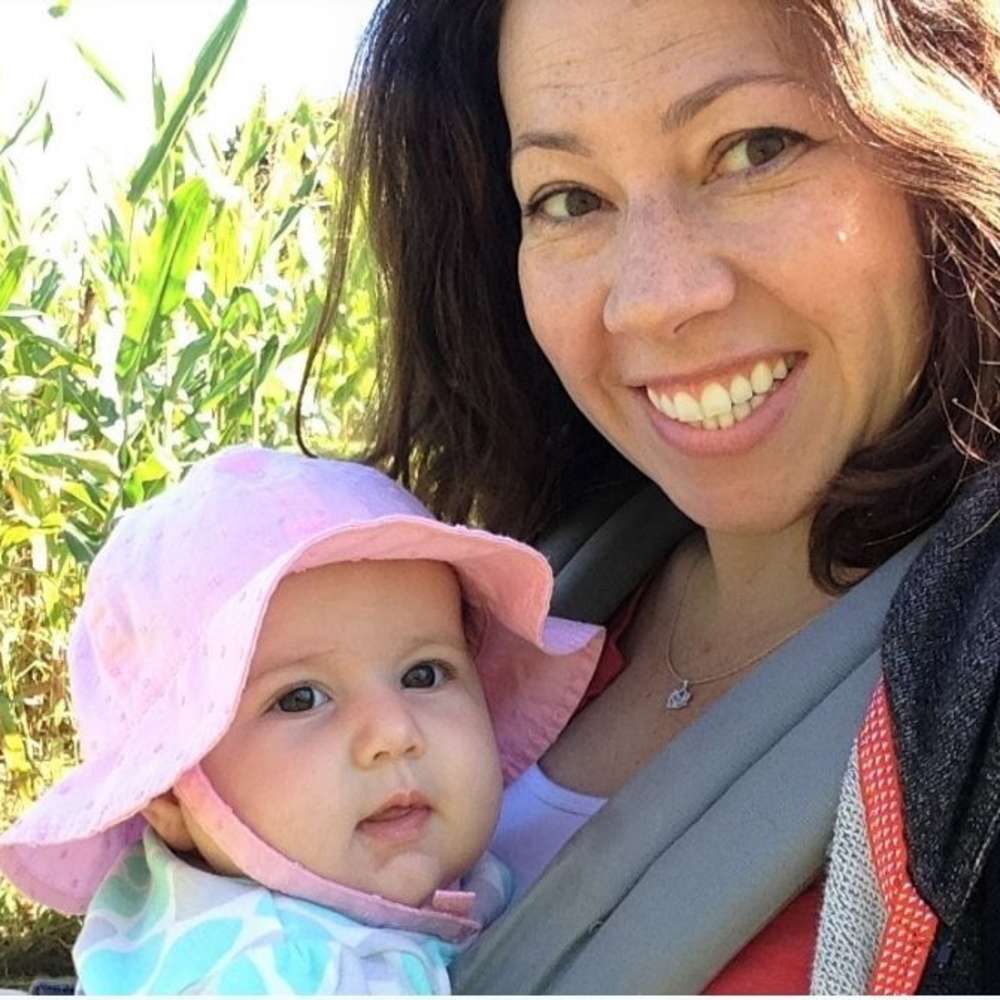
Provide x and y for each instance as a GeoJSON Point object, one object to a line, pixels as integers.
{"type": "Point", "coordinates": [386, 730]}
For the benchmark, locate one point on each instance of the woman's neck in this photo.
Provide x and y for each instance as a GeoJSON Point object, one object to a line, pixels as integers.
{"type": "Point", "coordinates": [759, 581]}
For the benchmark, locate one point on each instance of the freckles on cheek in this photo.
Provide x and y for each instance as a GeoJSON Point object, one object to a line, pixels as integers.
{"type": "Point", "coordinates": [564, 319]}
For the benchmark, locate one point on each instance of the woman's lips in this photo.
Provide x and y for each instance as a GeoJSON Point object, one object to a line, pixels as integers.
{"type": "Point", "coordinates": [744, 435]}
{"type": "Point", "coordinates": [726, 398]}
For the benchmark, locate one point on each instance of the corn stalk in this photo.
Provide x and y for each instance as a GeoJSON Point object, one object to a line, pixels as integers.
{"type": "Point", "coordinates": [178, 323]}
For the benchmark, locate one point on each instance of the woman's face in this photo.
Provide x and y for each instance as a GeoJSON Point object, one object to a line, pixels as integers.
{"type": "Point", "coordinates": [724, 286]}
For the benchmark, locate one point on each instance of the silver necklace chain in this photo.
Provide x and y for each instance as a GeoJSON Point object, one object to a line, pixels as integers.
{"type": "Point", "coordinates": [680, 697]}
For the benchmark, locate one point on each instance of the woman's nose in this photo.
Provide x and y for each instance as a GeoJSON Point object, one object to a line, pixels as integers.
{"type": "Point", "coordinates": [664, 272]}
{"type": "Point", "coordinates": [386, 729]}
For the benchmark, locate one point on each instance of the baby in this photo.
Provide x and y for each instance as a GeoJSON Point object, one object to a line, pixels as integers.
{"type": "Point", "coordinates": [298, 698]}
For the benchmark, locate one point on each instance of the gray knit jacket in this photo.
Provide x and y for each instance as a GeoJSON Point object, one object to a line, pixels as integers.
{"type": "Point", "coordinates": [941, 670]}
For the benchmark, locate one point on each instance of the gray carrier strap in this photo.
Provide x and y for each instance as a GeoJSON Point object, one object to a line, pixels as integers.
{"type": "Point", "coordinates": [702, 848]}
{"type": "Point", "coordinates": [600, 559]}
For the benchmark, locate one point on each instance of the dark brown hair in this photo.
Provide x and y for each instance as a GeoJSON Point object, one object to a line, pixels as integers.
{"type": "Point", "coordinates": [468, 412]}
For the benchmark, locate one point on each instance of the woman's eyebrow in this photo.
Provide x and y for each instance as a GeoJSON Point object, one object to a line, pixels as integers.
{"type": "Point", "coordinates": [685, 108]}
{"type": "Point", "coordinates": [682, 111]}
{"type": "Point", "coordinates": [561, 142]}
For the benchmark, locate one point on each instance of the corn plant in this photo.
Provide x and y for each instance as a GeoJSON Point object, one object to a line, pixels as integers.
{"type": "Point", "coordinates": [177, 324]}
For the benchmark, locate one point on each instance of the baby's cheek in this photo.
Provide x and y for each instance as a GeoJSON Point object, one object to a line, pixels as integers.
{"type": "Point", "coordinates": [477, 757]}
{"type": "Point", "coordinates": [491, 776]}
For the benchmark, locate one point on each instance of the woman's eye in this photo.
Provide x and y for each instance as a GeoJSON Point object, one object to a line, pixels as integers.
{"type": "Point", "coordinates": [301, 699]}
{"type": "Point", "coordinates": [755, 150]}
{"type": "Point", "coordinates": [560, 206]}
{"type": "Point", "coordinates": [427, 674]}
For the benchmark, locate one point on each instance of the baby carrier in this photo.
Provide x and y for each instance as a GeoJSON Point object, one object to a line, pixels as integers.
{"type": "Point", "coordinates": [652, 895]}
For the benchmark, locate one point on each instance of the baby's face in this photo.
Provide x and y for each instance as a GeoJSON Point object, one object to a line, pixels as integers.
{"type": "Point", "coordinates": [362, 747]}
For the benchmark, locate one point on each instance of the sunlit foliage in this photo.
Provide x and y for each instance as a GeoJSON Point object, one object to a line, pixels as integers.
{"type": "Point", "coordinates": [176, 324]}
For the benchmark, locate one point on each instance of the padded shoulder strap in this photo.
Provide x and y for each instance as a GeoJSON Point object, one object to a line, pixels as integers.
{"type": "Point", "coordinates": [699, 851]}
{"type": "Point", "coordinates": [609, 545]}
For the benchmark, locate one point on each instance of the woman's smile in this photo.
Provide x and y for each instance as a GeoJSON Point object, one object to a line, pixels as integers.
{"type": "Point", "coordinates": [722, 399]}
{"type": "Point", "coordinates": [720, 420]}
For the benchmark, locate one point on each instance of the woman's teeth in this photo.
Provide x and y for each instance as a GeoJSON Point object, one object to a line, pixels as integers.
{"type": "Point", "coordinates": [719, 406]}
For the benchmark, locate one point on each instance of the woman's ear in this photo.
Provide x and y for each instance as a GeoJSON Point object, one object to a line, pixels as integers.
{"type": "Point", "coordinates": [165, 816]}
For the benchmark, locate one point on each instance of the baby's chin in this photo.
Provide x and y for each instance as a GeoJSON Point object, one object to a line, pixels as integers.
{"type": "Point", "coordinates": [411, 880]}
{"type": "Point", "coordinates": [411, 885]}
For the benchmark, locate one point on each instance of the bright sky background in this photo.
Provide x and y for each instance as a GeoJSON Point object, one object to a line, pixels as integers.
{"type": "Point", "coordinates": [289, 47]}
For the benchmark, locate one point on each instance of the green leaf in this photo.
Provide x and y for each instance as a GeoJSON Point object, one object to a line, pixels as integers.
{"type": "Point", "coordinates": [307, 328]}
{"type": "Point", "coordinates": [101, 70]}
{"type": "Point", "coordinates": [149, 470]}
{"type": "Point", "coordinates": [266, 360]}
{"type": "Point", "coordinates": [100, 464]}
{"type": "Point", "coordinates": [29, 503]}
{"type": "Point", "coordinates": [304, 191]}
{"type": "Point", "coordinates": [54, 521]}
{"type": "Point", "coordinates": [206, 69]}
{"type": "Point", "coordinates": [159, 97]}
{"type": "Point", "coordinates": [45, 290]}
{"type": "Point", "coordinates": [84, 401]}
{"type": "Point", "coordinates": [167, 262]}
{"type": "Point", "coordinates": [242, 303]}
{"type": "Point", "coordinates": [348, 388]}
{"type": "Point", "coordinates": [198, 315]}
{"type": "Point", "coordinates": [117, 248]}
{"type": "Point", "coordinates": [254, 139]}
{"type": "Point", "coordinates": [15, 753]}
{"type": "Point", "coordinates": [224, 262]}
{"type": "Point", "coordinates": [28, 340]}
{"type": "Point", "coordinates": [26, 119]}
{"type": "Point", "coordinates": [231, 380]}
{"type": "Point", "coordinates": [47, 131]}
{"type": "Point", "coordinates": [17, 534]}
{"type": "Point", "coordinates": [60, 8]}
{"type": "Point", "coordinates": [187, 360]}
{"type": "Point", "coordinates": [133, 490]}
{"type": "Point", "coordinates": [11, 221]}
{"type": "Point", "coordinates": [10, 276]}
{"type": "Point", "coordinates": [83, 496]}
{"type": "Point", "coordinates": [80, 547]}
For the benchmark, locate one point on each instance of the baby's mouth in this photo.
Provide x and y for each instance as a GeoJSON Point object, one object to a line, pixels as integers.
{"type": "Point", "coordinates": [401, 817]}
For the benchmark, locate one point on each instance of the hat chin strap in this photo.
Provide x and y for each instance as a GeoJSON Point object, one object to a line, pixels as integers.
{"type": "Point", "coordinates": [446, 915]}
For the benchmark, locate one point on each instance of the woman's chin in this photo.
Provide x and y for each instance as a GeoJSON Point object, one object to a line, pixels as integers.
{"type": "Point", "coordinates": [763, 512]}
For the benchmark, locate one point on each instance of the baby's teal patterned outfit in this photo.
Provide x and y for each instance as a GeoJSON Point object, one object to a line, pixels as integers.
{"type": "Point", "coordinates": [159, 925]}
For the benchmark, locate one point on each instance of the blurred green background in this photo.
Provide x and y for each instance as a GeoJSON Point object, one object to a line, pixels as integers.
{"type": "Point", "coordinates": [176, 324]}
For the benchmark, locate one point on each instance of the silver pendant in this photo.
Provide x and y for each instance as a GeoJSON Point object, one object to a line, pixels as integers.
{"type": "Point", "coordinates": [679, 697]}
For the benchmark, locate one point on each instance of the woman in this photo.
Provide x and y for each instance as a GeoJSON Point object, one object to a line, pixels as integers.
{"type": "Point", "coordinates": [754, 249]}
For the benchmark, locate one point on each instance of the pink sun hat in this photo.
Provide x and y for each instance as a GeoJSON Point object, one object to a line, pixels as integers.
{"type": "Point", "coordinates": [159, 654]}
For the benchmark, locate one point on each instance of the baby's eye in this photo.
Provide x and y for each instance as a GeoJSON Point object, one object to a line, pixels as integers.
{"type": "Point", "coordinates": [301, 699]}
{"type": "Point", "coordinates": [560, 206]}
{"type": "Point", "coordinates": [757, 149]}
{"type": "Point", "coordinates": [426, 674]}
